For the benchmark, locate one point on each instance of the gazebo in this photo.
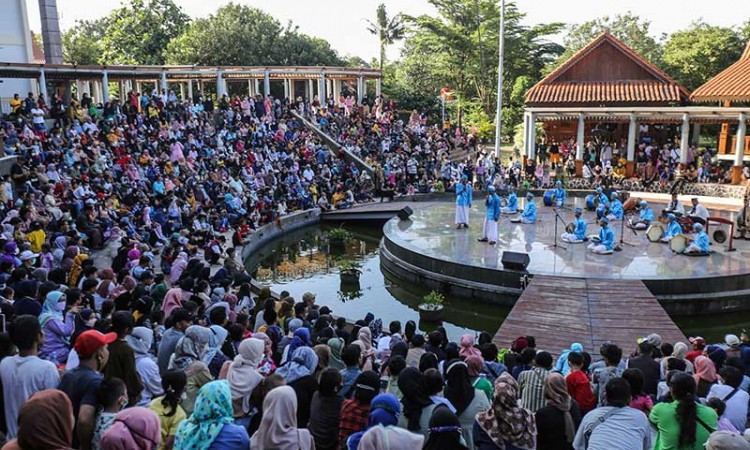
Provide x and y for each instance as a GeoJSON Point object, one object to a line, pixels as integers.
{"type": "Point", "coordinates": [732, 85]}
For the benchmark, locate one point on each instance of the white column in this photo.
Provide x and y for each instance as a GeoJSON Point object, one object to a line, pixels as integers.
{"type": "Point", "coordinates": [182, 90]}
{"type": "Point", "coordinates": [256, 86]}
{"type": "Point", "coordinates": [190, 89]}
{"type": "Point", "coordinates": [286, 88]}
{"type": "Point", "coordinates": [632, 128]}
{"type": "Point", "coordinates": [105, 86]}
{"type": "Point", "coordinates": [163, 81]}
{"type": "Point", "coordinates": [696, 134]}
{"type": "Point", "coordinates": [685, 138]}
{"type": "Point", "coordinates": [250, 86]}
{"type": "Point", "coordinates": [266, 84]}
{"type": "Point", "coordinates": [322, 84]}
{"type": "Point", "coordinates": [43, 85]}
{"type": "Point", "coordinates": [98, 91]}
{"type": "Point", "coordinates": [336, 89]}
{"type": "Point", "coordinates": [739, 149]}
{"type": "Point", "coordinates": [532, 136]}
{"type": "Point", "coordinates": [581, 136]}
{"type": "Point", "coordinates": [378, 86]}
{"type": "Point", "coordinates": [221, 87]}
{"type": "Point", "coordinates": [360, 89]}
{"type": "Point", "coordinates": [310, 89]}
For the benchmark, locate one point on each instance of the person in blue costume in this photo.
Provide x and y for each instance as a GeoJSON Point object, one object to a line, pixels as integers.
{"type": "Point", "coordinates": [672, 230]}
{"type": "Point", "coordinates": [529, 211]}
{"type": "Point", "coordinates": [645, 217]}
{"type": "Point", "coordinates": [616, 212]}
{"type": "Point", "coordinates": [560, 194]}
{"type": "Point", "coordinates": [603, 202]}
{"type": "Point", "coordinates": [579, 231]}
{"type": "Point", "coordinates": [489, 233]}
{"type": "Point", "coordinates": [512, 206]}
{"type": "Point", "coordinates": [606, 240]}
{"type": "Point", "coordinates": [699, 245]}
{"type": "Point", "coordinates": [463, 202]}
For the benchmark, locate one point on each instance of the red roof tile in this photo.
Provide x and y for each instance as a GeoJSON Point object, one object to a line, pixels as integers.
{"type": "Point", "coordinates": [38, 53]}
{"type": "Point", "coordinates": [732, 84]}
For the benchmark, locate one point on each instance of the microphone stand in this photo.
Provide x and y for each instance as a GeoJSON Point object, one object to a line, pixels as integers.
{"type": "Point", "coordinates": [622, 232]}
{"type": "Point", "coordinates": [557, 217]}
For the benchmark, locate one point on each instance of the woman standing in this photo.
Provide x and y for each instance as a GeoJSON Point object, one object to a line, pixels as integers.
{"type": "Point", "coordinates": [505, 425]}
{"type": "Point", "coordinates": [278, 429]}
{"type": "Point", "coordinates": [558, 421]}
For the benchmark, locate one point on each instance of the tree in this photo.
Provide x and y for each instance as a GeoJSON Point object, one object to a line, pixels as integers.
{"type": "Point", "coordinates": [629, 28]}
{"type": "Point", "coordinates": [82, 43]}
{"type": "Point", "coordinates": [247, 36]}
{"type": "Point", "coordinates": [698, 53]}
{"type": "Point", "coordinates": [387, 29]}
{"type": "Point", "coordinates": [138, 33]}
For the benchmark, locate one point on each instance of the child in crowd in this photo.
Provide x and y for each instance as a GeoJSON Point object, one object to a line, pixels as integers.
{"type": "Point", "coordinates": [112, 398]}
{"type": "Point", "coordinates": [168, 408]}
{"type": "Point", "coordinates": [641, 401]}
{"type": "Point", "coordinates": [720, 407]}
{"type": "Point", "coordinates": [578, 383]}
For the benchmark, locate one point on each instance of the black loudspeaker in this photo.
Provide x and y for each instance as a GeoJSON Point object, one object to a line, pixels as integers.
{"type": "Point", "coordinates": [405, 213]}
{"type": "Point", "coordinates": [515, 261]}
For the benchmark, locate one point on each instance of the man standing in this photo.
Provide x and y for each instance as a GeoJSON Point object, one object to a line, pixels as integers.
{"type": "Point", "coordinates": [24, 374]}
{"type": "Point", "coordinates": [491, 217]}
{"type": "Point", "coordinates": [463, 202]}
{"type": "Point", "coordinates": [606, 240]}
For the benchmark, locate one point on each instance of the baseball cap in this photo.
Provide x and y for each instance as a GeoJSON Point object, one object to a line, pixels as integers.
{"type": "Point", "coordinates": [92, 340]}
{"type": "Point", "coordinates": [652, 339]}
{"type": "Point", "coordinates": [732, 340]}
{"type": "Point", "coordinates": [325, 310]}
{"type": "Point", "coordinates": [698, 341]}
{"type": "Point", "coordinates": [27, 255]}
{"type": "Point", "coordinates": [725, 440]}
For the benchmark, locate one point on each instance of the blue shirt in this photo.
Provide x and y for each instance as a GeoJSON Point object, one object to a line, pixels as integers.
{"type": "Point", "coordinates": [349, 376]}
{"type": "Point", "coordinates": [607, 237]}
{"type": "Point", "coordinates": [529, 212]}
{"type": "Point", "coordinates": [493, 207]}
{"type": "Point", "coordinates": [673, 229]}
{"type": "Point", "coordinates": [646, 215]}
{"type": "Point", "coordinates": [560, 195]}
{"type": "Point", "coordinates": [512, 202]}
{"type": "Point", "coordinates": [615, 208]}
{"type": "Point", "coordinates": [603, 200]}
{"type": "Point", "coordinates": [463, 194]}
{"type": "Point", "coordinates": [580, 230]}
{"type": "Point", "coordinates": [701, 240]}
{"type": "Point", "coordinates": [231, 437]}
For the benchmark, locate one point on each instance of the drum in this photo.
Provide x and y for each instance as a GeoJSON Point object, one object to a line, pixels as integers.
{"type": "Point", "coordinates": [503, 202]}
{"type": "Point", "coordinates": [592, 201]}
{"type": "Point", "coordinates": [679, 243]}
{"type": "Point", "coordinates": [686, 223]}
{"type": "Point", "coordinates": [570, 228]}
{"type": "Point", "coordinates": [655, 231]}
{"type": "Point", "coordinates": [516, 219]}
{"type": "Point", "coordinates": [631, 204]}
{"type": "Point", "coordinates": [720, 236]}
{"type": "Point", "coordinates": [549, 197]}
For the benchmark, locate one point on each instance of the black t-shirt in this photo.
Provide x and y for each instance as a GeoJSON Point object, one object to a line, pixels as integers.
{"type": "Point", "coordinates": [81, 386]}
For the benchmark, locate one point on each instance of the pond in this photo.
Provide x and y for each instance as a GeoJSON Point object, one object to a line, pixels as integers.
{"type": "Point", "coordinates": [301, 262]}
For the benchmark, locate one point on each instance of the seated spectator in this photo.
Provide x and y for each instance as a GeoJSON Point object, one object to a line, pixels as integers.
{"type": "Point", "coordinates": [210, 424]}
{"type": "Point", "coordinates": [44, 422]}
{"type": "Point", "coordinates": [558, 421]}
{"type": "Point", "coordinates": [279, 426]}
{"type": "Point", "coordinates": [133, 428]}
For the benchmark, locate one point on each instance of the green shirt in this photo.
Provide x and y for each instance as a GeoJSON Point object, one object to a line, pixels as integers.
{"type": "Point", "coordinates": [664, 417]}
{"type": "Point", "coordinates": [484, 385]}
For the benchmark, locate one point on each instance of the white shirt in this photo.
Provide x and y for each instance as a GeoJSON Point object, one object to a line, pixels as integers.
{"type": "Point", "coordinates": [626, 429]}
{"type": "Point", "coordinates": [736, 411]}
{"type": "Point", "coordinates": [38, 115]}
{"type": "Point", "coordinates": [700, 211]}
{"type": "Point", "coordinates": [679, 208]}
{"type": "Point", "coordinates": [23, 376]}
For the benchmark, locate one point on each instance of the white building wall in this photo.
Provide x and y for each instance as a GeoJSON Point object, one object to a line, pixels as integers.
{"type": "Point", "coordinates": [15, 46]}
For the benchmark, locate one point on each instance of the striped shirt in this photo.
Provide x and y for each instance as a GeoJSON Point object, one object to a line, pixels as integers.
{"type": "Point", "coordinates": [531, 383]}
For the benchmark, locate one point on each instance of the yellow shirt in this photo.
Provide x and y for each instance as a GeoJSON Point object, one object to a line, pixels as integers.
{"type": "Point", "coordinates": [168, 424]}
{"type": "Point", "coordinates": [15, 104]}
{"type": "Point", "coordinates": [36, 238]}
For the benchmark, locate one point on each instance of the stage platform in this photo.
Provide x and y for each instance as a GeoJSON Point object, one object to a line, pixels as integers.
{"type": "Point", "coordinates": [429, 249]}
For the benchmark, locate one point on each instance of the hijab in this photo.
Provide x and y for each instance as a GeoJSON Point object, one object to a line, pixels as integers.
{"type": "Point", "coordinates": [213, 410]}
{"type": "Point", "coordinates": [77, 269]}
{"type": "Point", "coordinates": [135, 428]}
{"type": "Point", "coordinates": [140, 339]}
{"type": "Point", "coordinates": [704, 369]}
{"type": "Point", "coordinates": [505, 420]}
{"type": "Point", "coordinates": [381, 437]}
{"type": "Point", "coordinates": [301, 339]}
{"type": "Point", "coordinates": [190, 348]}
{"type": "Point", "coordinates": [467, 347]}
{"type": "Point", "coordinates": [557, 395]}
{"type": "Point", "coordinates": [324, 356]}
{"type": "Point", "coordinates": [680, 350]}
{"type": "Point", "coordinates": [717, 355]}
{"type": "Point", "coordinates": [415, 397]}
{"type": "Point", "coordinates": [44, 422]}
{"type": "Point", "coordinates": [475, 365]}
{"type": "Point", "coordinates": [336, 344]}
{"type": "Point", "coordinates": [364, 339]}
{"type": "Point", "coordinates": [243, 375]}
{"type": "Point", "coordinates": [51, 309]}
{"type": "Point", "coordinates": [278, 428]}
{"type": "Point", "coordinates": [444, 431]}
{"type": "Point", "coordinates": [303, 363]}
{"type": "Point", "coordinates": [458, 389]}
{"type": "Point", "coordinates": [215, 341]}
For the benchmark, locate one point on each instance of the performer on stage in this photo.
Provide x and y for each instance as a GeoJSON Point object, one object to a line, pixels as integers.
{"type": "Point", "coordinates": [675, 206]}
{"type": "Point", "coordinates": [603, 202]}
{"type": "Point", "coordinates": [529, 211]}
{"type": "Point", "coordinates": [579, 233]}
{"type": "Point", "coordinates": [463, 202]}
{"type": "Point", "coordinates": [616, 212]}
{"type": "Point", "coordinates": [606, 242]}
{"type": "Point", "coordinates": [700, 243]}
{"type": "Point", "coordinates": [512, 206]}
{"type": "Point", "coordinates": [645, 217]}
{"type": "Point", "coordinates": [699, 213]}
{"type": "Point", "coordinates": [559, 194]}
{"type": "Point", "coordinates": [672, 230]}
{"type": "Point", "coordinates": [492, 203]}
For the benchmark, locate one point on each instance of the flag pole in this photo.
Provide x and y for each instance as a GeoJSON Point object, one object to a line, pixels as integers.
{"type": "Point", "coordinates": [501, 51]}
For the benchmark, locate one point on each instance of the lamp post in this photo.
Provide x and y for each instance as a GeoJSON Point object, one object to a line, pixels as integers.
{"type": "Point", "coordinates": [498, 125]}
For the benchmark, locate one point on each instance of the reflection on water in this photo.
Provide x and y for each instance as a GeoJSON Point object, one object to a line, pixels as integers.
{"type": "Point", "coordinates": [301, 262]}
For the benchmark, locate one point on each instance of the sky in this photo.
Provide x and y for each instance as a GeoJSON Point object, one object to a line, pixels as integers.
{"type": "Point", "coordinates": [343, 22]}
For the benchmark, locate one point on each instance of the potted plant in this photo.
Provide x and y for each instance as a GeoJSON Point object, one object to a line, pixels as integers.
{"type": "Point", "coordinates": [349, 271]}
{"type": "Point", "coordinates": [337, 238]}
{"type": "Point", "coordinates": [431, 308]}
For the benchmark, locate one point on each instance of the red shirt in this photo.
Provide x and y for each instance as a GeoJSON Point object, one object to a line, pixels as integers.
{"type": "Point", "coordinates": [692, 355]}
{"type": "Point", "coordinates": [353, 419]}
{"type": "Point", "coordinates": [580, 389]}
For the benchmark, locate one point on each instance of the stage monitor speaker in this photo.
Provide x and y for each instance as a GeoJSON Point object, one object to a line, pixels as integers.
{"type": "Point", "coordinates": [515, 261]}
{"type": "Point", "coordinates": [405, 213]}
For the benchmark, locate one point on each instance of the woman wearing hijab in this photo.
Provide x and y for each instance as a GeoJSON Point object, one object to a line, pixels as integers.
{"type": "Point", "coordinates": [214, 358]}
{"type": "Point", "coordinates": [299, 374]}
{"type": "Point", "coordinates": [336, 345]}
{"type": "Point", "coordinates": [76, 269]}
{"type": "Point", "coordinates": [188, 356]}
{"type": "Point", "coordinates": [243, 376]}
{"type": "Point", "coordinates": [445, 432]}
{"type": "Point", "coordinates": [267, 366]}
{"type": "Point", "coordinates": [325, 411]}
{"type": "Point", "coordinates": [278, 429]}
{"type": "Point", "coordinates": [385, 410]}
{"type": "Point", "coordinates": [475, 365]}
{"type": "Point", "coordinates": [467, 347]}
{"type": "Point", "coordinates": [505, 425]}
{"type": "Point", "coordinates": [57, 331]}
{"type": "Point", "coordinates": [210, 426]}
{"type": "Point", "coordinates": [45, 422]}
{"type": "Point", "coordinates": [415, 398]}
{"type": "Point", "coordinates": [324, 359]}
{"type": "Point", "coordinates": [301, 339]}
{"type": "Point", "coordinates": [679, 352]}
{"type": "Point", "coordinates": [364, 340]}
{"type": "Point", "coordinates": [467, 400]}
{"type": "Point", "coordinates": [705, 375]}
{"type": "Point", "coordinates": [558, 421]}
{"type": "Point", "coordinates": [355, 411]}
{"type": "Point", "coordinates": [141, 339]}
{"type": "Point", "coordinates": [133, 429]}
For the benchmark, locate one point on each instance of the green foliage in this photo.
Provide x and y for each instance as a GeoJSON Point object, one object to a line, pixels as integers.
{"type": "Point", "coordinates": [694, 55]}
{"type": "Point", "coordinates": [348, 265]}
{"type": "Point", "coordinates": [82, 43]}
{"type": "Point", "coordinates": [339, 234]}
{"type": "Point", "coordinates": [247, 36]}
{"type": "Point", "coordinates": [433, 299]}
{"type": "Point", "coordinates": [387, 29]}
{"type": "Point", "coordinates": [475, 117]}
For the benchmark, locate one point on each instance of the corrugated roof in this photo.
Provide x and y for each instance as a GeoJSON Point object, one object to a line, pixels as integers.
{"type": "Point", "coordinates": [732, 84]}
{"type": "Point", "coordinates": [660, 89]}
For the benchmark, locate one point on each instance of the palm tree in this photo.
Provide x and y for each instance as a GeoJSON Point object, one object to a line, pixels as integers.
{"type": "Point", "coordinates": [388, 30]}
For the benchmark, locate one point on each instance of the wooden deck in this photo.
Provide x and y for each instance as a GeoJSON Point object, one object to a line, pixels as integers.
{"type": "Point", "coordinates": [559, 311]}
{"type": "Point", "coordinates": [374, 211]}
